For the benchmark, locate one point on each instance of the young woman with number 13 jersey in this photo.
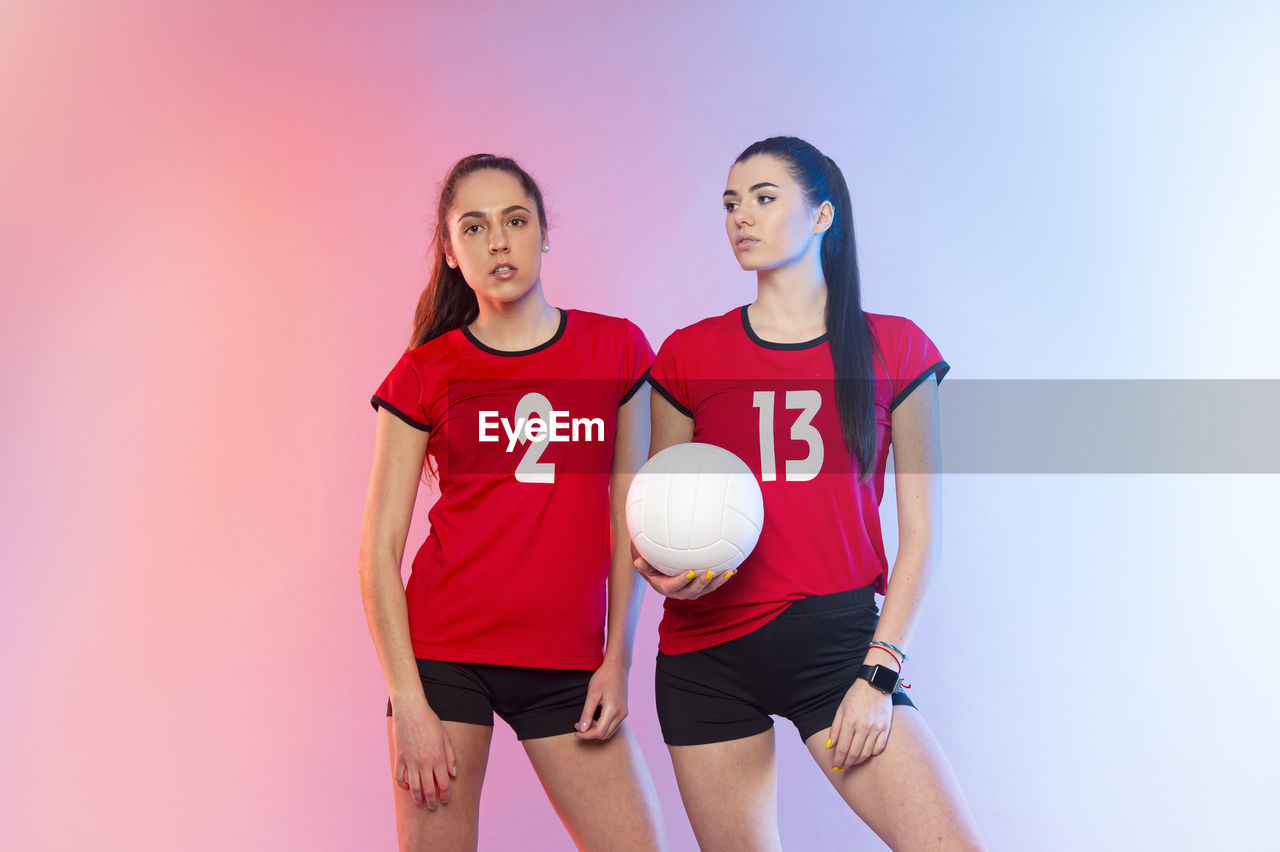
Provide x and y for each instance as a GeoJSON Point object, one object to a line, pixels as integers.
{"type": "Point", "coordinates": [810, 392]}
{"type": "Point", "coordinates": [531, 418]}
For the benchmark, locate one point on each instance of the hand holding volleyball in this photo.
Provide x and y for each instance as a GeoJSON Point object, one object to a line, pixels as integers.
{"type": "Point", "coordinates": [694, 507]}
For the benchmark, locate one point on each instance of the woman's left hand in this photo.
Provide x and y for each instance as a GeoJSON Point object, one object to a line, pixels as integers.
{"type": "Point", "coordinates": [860, 730]}
{"type": "Point", "coordinates": [607, 691]}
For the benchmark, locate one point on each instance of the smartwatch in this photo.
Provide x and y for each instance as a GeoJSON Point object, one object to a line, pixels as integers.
{"type": "Point", "coordinates": [882, 678]}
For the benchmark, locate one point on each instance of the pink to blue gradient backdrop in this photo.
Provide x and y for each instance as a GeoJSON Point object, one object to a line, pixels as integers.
{"type": "Point", "coordinates": [214, 220]}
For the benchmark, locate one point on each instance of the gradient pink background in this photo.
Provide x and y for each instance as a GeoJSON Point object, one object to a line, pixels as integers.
{"type": "Point", "coordinates": [213, 231]}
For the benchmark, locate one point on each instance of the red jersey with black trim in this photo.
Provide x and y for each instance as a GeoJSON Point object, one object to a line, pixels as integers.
{"type": "Point", "coordinates": [774, 406]}
{"type": "Point", "coordinates": [514, 569]}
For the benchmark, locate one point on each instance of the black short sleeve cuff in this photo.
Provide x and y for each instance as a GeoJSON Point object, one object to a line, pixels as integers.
{"type": "Point", "coordinates": [626, 397]}
{"type": "Point", "coordinates": [377, 403]}
{"type": "Point", "coordinates": [939, 369]}
{"type": "Point", "coordinates": [669, 397]}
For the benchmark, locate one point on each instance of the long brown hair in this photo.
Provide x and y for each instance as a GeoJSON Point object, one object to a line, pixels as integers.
{"type": "Point", "coordinates": [847, 330]}
{"type": "Point", "coordinates": [448, 302]}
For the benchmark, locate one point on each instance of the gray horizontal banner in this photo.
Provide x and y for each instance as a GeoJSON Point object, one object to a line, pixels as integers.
{"type": "Point", "coordinates": [1033, 426]}
{"type": "Point", "coordinates": [1110, 426]}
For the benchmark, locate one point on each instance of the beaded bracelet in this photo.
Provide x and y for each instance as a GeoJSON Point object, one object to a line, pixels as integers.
{"type": "Point", "coordinates": [894, 648]}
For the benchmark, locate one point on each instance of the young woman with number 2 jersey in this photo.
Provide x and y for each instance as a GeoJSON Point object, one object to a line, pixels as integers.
{"type": "Point", "coordinates": [810, 392]}
{"type": "Point", "coordinates": [532, 422]}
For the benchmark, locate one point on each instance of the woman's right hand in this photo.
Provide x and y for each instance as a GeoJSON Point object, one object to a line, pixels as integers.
{"type": "Point", "coordinates": [686, 586]}
{"type": "Point", "coordinates": [424, 758]}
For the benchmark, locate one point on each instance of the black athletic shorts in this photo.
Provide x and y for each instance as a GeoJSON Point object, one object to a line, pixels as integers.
{"type": "Point", "coordinates": [534, 702]}
{"type": "Point", "coordinates": [799, 666]}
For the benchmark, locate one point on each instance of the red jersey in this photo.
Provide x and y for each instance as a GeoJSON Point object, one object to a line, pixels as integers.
{"type": "Point", "coordinates": [774, 406]}
{"type": "Point", "coordinates": [513, 571]}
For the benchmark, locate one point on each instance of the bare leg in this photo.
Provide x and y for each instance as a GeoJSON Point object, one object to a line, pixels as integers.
{"type": "Point", "coordinates": [457, 824]}
{"type": "Point", "coordinates": [730, 792]}
{"type": "Point", "coordinates": [601, 790]}
{"type": "Point", "coordinates": [907, 794]}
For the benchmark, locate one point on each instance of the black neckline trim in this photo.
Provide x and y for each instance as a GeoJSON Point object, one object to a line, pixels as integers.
{"type": "Point", "coordinates": [506, 353]}
{"type": "Point", "coordinates": [758, 341]}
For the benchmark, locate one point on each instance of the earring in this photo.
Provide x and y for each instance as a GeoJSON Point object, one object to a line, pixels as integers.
{"type": "Point", "coordinates": [449, 261]}
{"type": "Point", "coordinates": [546, 246]}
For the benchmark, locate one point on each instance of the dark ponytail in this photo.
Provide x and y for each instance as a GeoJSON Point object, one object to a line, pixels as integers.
{"type": "Point", "coordinates": [847, 330]}
{"type": "Point", "coordinates": [448, 302]}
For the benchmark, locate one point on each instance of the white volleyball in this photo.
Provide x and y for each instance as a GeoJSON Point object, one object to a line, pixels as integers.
{"type": "Point", "coordinates": [694, 507]}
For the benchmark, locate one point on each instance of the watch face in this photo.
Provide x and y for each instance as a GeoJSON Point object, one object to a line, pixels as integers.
{"type": "Point", "coordinates": [883, 679]}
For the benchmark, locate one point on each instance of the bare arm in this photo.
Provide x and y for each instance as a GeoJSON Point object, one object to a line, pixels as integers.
{"type": "Point", "coordinates": [917, 455]}
{"type": "Point", "coordinates": [424, 756]}
{"type": "Point", "coordinates": [608, 687]}
{"type": "Point", "coordinates": [399, 451]}
{"type": "Point", "coordinates": [670, 427]}
{"type": "Point", "coordinates": [624, 585]}
{"type": "Point", "coordinates": [863, 721]}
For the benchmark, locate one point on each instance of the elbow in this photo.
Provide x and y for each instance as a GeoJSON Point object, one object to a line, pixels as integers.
{"type": "Point", "coordinates": [365, 572]}
{"type": "Point", "coordinates": [374, 566]}
{"type": "Point", "coordinates": [924, 537]}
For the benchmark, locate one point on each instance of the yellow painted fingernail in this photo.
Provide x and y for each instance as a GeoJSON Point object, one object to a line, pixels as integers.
{"type": "Point", "coordinates": [635, 562]}
{"type": "Point", "coordinates": [710, 574]}
{"type": "Point", "coordinates": [828, 745]}
{"type": "Point", "coordinates": [690, 575]}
